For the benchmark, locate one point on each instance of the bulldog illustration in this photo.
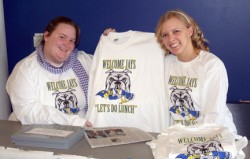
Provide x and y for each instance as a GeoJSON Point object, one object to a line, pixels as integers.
{"type": "Point", "coordinates": [207, 150]}
{"type": "Point", "coordinates": [118, 80]}
{"type": "Point", "coordinates": [181, 97]}
{"type": "Point", "coordinates": [183, 104]}
{"type": "Point", "coordinates": [66, 101]}
{"type": "Point", "coordinates": [117, 86]}
{"type": "Point", "coordinates": [204, 148]}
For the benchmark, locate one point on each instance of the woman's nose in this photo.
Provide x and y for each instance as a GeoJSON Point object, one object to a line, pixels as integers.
{"type": "Point", "coordinates": [171, 37]}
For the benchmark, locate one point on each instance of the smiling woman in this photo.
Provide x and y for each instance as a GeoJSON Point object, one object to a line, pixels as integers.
{"type": "Point", "coordinates": [52, 81]}
{"type": "Point", "coordinates": [59, 42]}
{"type": "Point", "coordinates": [197, 82]}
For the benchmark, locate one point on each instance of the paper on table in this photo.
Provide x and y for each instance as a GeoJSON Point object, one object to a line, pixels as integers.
{"type": "Point", "coordinates": [13, 153]}
{"type": "Point", "coordinates": [50, 132]}
{"type": "Point", "coordinates": [63, 156]}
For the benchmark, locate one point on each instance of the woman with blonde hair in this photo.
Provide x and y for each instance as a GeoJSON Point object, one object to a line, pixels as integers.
{"type": "Point", "coordinates": [196, 80]}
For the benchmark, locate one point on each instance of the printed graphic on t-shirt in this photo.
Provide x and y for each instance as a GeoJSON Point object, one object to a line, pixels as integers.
{"type": "Point", "coordinates": [117, 86]}
{"type": "Point", "coordinates": [66, 101]}
{"type": "Point", "coordinates": [118, 83]}
{"type": "Point", "coordinates": [205, 150]}
{"type": "Point", "coordinates": [116, 90]}
{"type": "Point", "coordinates": [62, 84]}
{"type": "Point", "coordinates": [182, 109]}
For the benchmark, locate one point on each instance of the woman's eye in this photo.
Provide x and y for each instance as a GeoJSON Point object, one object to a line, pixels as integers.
{"type": "Point", "coordinates": [176, 31]}
{"type": "Point", "coordinates": [163, 35]}
{"type": "Point", "coordinates": [72, 41]}
{"type": "Point", "coordinates": [61, 37]}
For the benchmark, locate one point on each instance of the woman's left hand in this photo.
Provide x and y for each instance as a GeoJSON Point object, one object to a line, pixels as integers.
{"type": "Point", "coordinates": [107, 31]}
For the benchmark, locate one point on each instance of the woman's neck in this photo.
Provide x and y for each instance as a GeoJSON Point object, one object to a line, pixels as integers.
{"type": "Point", "coordinates": [52, 62]}
{"type": "Point", "coordinates": [188, 56]}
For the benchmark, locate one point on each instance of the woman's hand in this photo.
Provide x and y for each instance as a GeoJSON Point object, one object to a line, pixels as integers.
{"type": "Point", "coordinates": [107, 31]}
{"type": "Point", "coordinates": [88, 124]}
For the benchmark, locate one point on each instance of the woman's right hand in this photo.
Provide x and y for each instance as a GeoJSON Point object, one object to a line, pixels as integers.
{"type": "Point", "coordinates": [88, 124]}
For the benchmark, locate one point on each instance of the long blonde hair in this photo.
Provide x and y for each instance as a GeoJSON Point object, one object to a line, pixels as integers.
{"type": "Point", "coordinates": [198, 39]}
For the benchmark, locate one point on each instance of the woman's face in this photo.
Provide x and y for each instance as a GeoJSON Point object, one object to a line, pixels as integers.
{"type": "Point", "coordinates": [59, 44]}
{"type": "Point", "coordinates": [176, 37]}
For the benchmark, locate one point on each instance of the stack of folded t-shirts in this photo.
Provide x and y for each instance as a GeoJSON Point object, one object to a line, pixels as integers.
{"type": "Point", "coordinates": [207, 141]}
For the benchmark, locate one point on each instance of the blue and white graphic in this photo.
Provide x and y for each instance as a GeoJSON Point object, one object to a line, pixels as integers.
{"type": "Point", "coordinates": [117, 86]}
{"type": "Point", "coordinates": [207, 150]}
{"type": "Point", "coordinates": [183, 108]}
{"type": "Point", "coordinates": [66, 101]}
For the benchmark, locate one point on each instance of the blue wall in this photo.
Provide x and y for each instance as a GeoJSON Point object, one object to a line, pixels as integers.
{"type": "Point", "coordinates": [226, 25]}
